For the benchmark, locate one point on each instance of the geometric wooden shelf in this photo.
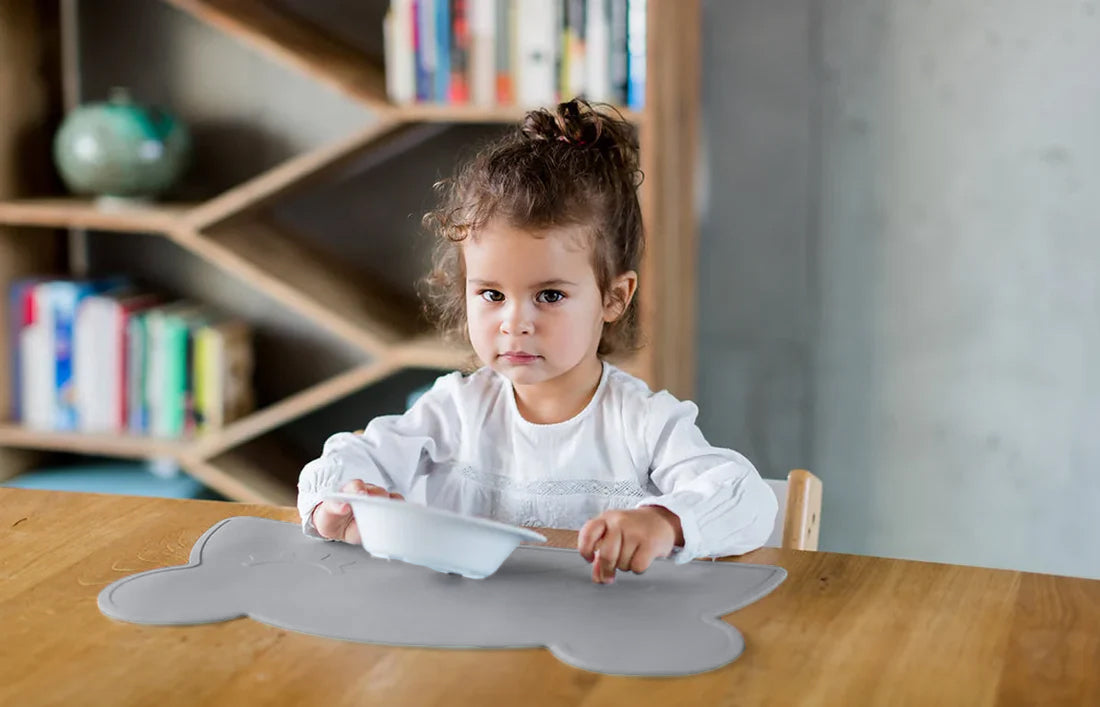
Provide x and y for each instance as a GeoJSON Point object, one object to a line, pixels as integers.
{"type": "Point", "coordinates": [232, 232]}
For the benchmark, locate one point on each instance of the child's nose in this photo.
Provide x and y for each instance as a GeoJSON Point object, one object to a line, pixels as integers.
{"type": "Point", "coordinates": [516, 322]}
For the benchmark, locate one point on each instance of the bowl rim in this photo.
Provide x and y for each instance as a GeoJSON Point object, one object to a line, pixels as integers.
{"type": "Point", "coordinates": [524, 533]}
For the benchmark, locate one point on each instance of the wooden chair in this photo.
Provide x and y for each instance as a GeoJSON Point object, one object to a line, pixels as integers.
{"type": "Point", "coordinates": [799, 517]}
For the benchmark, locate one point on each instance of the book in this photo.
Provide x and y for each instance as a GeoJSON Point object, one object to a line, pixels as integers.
{"type": "Point", "coordinates": [504, 58]}
{"type": "Point", "coordinates": [137, 401]}
{"type": "Point", "coordinates": [424, 13]}
{"type": "Point", "coordinates": [166, 379]}
{"type": "Point", "coordinates": [617, 36]}
{"type": "Point", "coordinates": [19, 307]}
{"type": "Point", "coordinates": [442, 74]}
{"type": "Point", "coordinates": [597, 82]}
{"type": "Point", "coordinates": [101, 353]}
{"type": "Point", "coordinates": [400, 51]}
{"type": "Point", "coordinates": [38, 373]}
{"type": "Point", "coordinates": [459, 88]}
{"type": "Point", "coordinates": [65, 297]}
{"type": "Point", "coordinates": [483, 20]}
{"type": "Point", "coordinates": [636, 51]}
{"type": "Point", "coordinates": [538, 27]}
{"type": "Point", "coordinates": [573, 49]}
{"type": "Point", "coordinates": [224, 364]}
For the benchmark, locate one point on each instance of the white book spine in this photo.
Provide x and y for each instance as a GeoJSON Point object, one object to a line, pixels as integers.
{"type": "Point", "coordinates": [598, 50]}
{"type": "Point", "coordinates": [483, 21]}
{"type": "Point", "coordinates": [39, 369]}
{"type": "Point", "coordinates": [405, 65]}
{"type": "Point", "coordinates": [538, 35]}
{"type": "Point", "coordinates": [87, 373]}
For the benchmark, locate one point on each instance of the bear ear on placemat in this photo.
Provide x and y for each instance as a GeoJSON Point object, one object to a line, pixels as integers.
{"type": "Point", "coordinates": [140, 598]}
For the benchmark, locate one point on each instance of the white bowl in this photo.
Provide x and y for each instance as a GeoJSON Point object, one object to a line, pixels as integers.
{"type": "Point", "coordinates": [441, 540]}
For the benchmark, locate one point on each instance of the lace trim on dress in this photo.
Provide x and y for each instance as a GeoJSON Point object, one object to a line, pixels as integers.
{"type": "Point", "coordinates": [553, 487]}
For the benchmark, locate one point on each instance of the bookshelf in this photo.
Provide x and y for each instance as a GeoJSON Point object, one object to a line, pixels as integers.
{"type": "Point", "coordinates": [226, 229]}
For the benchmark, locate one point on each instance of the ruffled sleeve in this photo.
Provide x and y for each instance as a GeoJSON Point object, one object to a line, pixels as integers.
{"type": "Point", "coordinates": [724, 507]}
{"type": "Point", "coordinates": [391, 452]}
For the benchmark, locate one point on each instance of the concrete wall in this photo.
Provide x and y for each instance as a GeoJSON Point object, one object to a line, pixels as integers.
{"type": "Point", "coordinates": [950, 306]}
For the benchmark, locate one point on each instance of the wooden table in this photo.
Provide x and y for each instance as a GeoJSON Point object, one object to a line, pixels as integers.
{"type": "Point", "coordinates": [842, 630]}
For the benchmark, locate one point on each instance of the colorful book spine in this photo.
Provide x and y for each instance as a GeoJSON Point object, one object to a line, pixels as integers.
{"type": "Point", "coordinates": [38, 374]}
{"type": "Point", "coordinates": [537, 50]}
{"type": "Point", "coordinates": [597, 83]}
{"type": "Point", "coordinates": [443, 50]}
{"type": "Point", "coordinates": [516, 52]}
{"type": "Point", "coordinates": [504, 58]}
{"type": "Point", "coordinates": [65, 298]}
{"type": "Point", "coordinates": [636, 55]}
{"type": "Point", "coordinates": [482, 51]}
{"type": "Point", "coordinates": [137, 359]}
{"type": "Point", "coordinates": [19, 307]}
{"type": "Point", "coordinates": [223, 373]}
{"type": "Point", "coordinates": [573, 71]}
{"type": "Point", "coordinates": [426, 48]}
{"type": "Point", "coordinates": [617, 35]}
{"type": "Point", "coordinates": [459, 88]}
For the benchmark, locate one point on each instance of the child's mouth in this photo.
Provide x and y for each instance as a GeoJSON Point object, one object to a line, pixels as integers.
{"type": "Point", "coordinates": [518, 357]}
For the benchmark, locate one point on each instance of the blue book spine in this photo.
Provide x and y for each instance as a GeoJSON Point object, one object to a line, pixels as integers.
{"type": "Point", "coordinates": [424, 86]}
{"type": "Point", "coordinates": [65, 298]}
{"type": "Point", "coordinates": [636, 45]}
{"type": "Point", "coordinates": [443, 50]}
{"type": "Point", "coordinates": [136, 367]}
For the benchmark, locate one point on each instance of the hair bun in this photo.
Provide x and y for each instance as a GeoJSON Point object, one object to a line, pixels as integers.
{"type": "Point", "coordinates": [577, 124]}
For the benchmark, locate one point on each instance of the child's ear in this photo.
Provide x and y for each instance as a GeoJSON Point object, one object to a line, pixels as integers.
{"type": "Point", "coordinates": [619, 295]}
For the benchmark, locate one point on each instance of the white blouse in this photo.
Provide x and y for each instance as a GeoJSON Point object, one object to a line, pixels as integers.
{"type": "Point", "coordinates": [464, 446]}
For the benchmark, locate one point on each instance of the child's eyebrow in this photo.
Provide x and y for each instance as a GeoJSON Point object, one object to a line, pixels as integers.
{"type": "Point", "coordinates": [546, 283]}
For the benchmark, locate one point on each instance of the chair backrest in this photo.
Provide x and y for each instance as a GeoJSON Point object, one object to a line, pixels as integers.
{"type": "Point", "coordinates": [799, 518]}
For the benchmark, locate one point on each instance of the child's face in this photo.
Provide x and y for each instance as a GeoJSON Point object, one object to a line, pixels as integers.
{"type": "Point", "coordinates": [533, 306]}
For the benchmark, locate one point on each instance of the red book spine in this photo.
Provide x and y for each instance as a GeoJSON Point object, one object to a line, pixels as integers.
{"type": "Point", "coordinates": [460, 53]}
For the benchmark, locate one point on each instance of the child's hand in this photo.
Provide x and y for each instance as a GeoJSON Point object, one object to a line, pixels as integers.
{"type": "Point", "coordinates": [335, 521]}
{"type": "Point", "coordinates": [628, 540]}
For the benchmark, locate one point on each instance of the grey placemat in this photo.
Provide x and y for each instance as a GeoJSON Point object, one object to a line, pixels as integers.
{"type": "Point", "coordinates": [662, 622]}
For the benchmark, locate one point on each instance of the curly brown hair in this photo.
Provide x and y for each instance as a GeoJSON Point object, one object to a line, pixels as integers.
{"type": "Point", "coordinates": [574, 166]}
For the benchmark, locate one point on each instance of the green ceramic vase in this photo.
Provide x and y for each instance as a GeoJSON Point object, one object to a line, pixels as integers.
{"type": "Point", "coordinates": [119, 149]}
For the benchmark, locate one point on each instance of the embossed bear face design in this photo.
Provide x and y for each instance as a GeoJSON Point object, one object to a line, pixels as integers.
{"type": "Point", "coordinates": [664, 622]}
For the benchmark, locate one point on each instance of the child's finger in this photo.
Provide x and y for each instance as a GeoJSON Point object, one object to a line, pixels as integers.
{"type": "Point", "coordinates": [643, 558]}
{"type": "Point", "coordinates": [626, 554]}
{"type": "Point", "coordinates": [610, 546]}
{"type": "Point", "coordinates": [336, 508]}
{"type": "Point", "coordinates": [590, 534]}
{"type": "Point", "coordinates": [355, 486]}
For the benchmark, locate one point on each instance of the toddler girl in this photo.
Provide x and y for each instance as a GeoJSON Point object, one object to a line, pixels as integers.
{"type": "Point", "coordinates": [537, 264]}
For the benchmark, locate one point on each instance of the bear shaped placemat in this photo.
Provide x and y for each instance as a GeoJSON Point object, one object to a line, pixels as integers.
{"type": "Point", "coordinates": [663, 622]}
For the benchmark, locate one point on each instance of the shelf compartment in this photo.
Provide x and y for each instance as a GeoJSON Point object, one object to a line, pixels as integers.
{"type": "Point", "coordinates": [296, 43]}
{"type": "Point", "coordinates": [326, 292]}
{"type": "Point", "coordinates": [374, 144]}
{"type": "Point", "coordinates": [260, 471]}
{"type": "Point", "coordinates": [74, 212]}
{"type": "Point", "coordinates": [291, 408]}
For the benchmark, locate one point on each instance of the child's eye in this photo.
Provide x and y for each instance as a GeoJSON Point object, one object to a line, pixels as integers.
{"type": "Point", "coordinates": [491, 295]}
{"type": "Point", "coordinates": [550, 296]}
